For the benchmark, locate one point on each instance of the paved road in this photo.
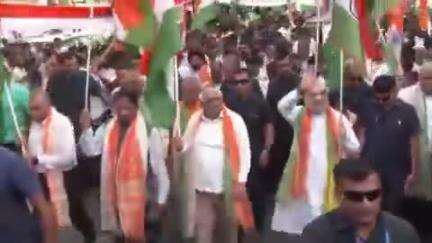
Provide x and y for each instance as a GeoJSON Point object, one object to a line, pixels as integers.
{"type": "Point", "coordinates": [91, 200]}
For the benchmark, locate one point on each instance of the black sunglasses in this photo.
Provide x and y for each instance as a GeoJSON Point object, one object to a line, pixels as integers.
{"type": "Point", "coordinates": [357, 196]}
{"type": "Point", "coordinates": [237, 82]}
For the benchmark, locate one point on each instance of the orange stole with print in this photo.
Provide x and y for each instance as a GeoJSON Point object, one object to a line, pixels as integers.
{"type": "Point", "coordinates": [126, 177]}
{"type": "Point", "coordinates": [55, 181]}
{"type": "Point", "coordinates": [301, 165]}
{"type": "Point", "coordinates": [241, 206]}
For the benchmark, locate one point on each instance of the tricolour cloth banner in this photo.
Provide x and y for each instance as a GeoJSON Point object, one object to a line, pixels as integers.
{"type": "Point", "coordinates": [46, 29]}
{"type": "Point", "coordinates": [251, 3]}
{"type": "Point", "coordinates": [262, 3]}
{"type": "Point", "coordinates": [35, 11]}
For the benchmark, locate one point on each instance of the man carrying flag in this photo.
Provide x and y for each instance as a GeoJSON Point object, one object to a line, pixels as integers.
{"type": "Point", "coordinates": [216, 146]}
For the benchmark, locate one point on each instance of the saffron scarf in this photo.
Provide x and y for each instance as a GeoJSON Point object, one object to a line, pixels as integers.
{"type": "Point", "coordinates": [239, 210]}
{"type": "Point", "coordinates": [54, 178]}
{"type": "Point", "coordinates": [181, 186]}
{"type": "Point", "coordinates": [124, 177]}
{"type": "Point", "coordinates": [293, 184]}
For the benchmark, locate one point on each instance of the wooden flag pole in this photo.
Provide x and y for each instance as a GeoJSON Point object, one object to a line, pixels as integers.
{"type": "Point", "coordinates": [318, 24]}
{"type": "Point", "coordinates": [341, 103]}
{"type": "Point", "coordinates": [89, 50]}
{"type": "Point", "coordinates": [15, 119]}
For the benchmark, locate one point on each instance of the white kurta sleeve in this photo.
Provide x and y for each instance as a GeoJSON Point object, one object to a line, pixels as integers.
{"type": "Point", "coordinates": [157, 163]}
{"type": "Point", "coordinates": [288, 107]}
{"type": "Point", "coordinates": [350, 140]}
{"type": "Point", "coordinates": [244, 147]}
{"type": "Point", "coordinates": [91, 143]}
{"type": "Point", "coordinates": [63, 156]}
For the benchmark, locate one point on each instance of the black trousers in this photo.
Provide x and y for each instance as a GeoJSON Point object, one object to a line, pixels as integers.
{"type": "Point", "coordinates": [256, 189]}
{"type": "Point", "coordinates": [393, 185]}
{"type": "Point", "coordinates": [414, 210]}
{"type": "Point", "coordinates": [78, 181]}
{"type": "Point", "coordinates": [13, 147]}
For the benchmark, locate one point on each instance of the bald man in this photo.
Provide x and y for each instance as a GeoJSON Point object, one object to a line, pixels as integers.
{"type": "Point", "coordinates": [190, 89]}
{"type": "Point", "coordinates": [51, 151]}
{"type": "Point", "coordinates": [419, 96]}
{"type": "Point", "coordinates": [215, 143]}
{"type": "Point", "coordinates": [307, 189]}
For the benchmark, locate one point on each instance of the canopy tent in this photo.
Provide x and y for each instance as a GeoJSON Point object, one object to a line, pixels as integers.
{"type": "Point", "coordinates": [33, 23]}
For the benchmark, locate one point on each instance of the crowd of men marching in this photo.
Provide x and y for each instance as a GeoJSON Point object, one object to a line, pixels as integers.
{"type": "Point", "coordinates": [263, 152]}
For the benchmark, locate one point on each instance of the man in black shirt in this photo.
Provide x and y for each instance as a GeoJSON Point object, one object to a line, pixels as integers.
{"type": "Point", "coordinates": [256, 114]}
{"type": "Point", "coordinates": [277, 89]}
{"type": "Point", "coordinates": [359, 217]}
{"type": "Point", "coordinates": [391, 130]}
{"type": "Point", "coordinates": [66, 88]}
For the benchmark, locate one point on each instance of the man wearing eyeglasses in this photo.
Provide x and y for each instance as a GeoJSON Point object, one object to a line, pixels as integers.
{"type": "Point", "coordinates": [359, 218]}
{"type": "Point", "coordinates": [391, 142]}
{"type": "Point", "coordinates": [255, 112]}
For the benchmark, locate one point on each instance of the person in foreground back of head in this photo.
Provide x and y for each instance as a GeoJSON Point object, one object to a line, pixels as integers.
{"type": "Point", "coordinates": [359, 217]}
{"type": "Point", "coordinates": [19, 185]}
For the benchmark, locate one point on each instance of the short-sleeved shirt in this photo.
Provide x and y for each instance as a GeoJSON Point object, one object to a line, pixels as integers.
{"type": "Point", "coordinates": [20, 98]}
{"type": "Point", "coordinates": [256, 114]}
{"type": "Point", "coordinates": [17, 183]}
{"type": "Point", "coordinates": [388, 134]}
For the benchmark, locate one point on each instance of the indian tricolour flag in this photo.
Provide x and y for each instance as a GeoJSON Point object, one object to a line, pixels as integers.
{"type": "Point", "coordinates": [135, 21]}
{"type": "Point", "coordinates": [153, 26]}
{"type": "Point", "coordinates": [345, 34]}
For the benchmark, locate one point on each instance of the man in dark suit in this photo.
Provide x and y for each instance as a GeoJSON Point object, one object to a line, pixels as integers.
{"type": "Point", "coordinates": [359, 218]}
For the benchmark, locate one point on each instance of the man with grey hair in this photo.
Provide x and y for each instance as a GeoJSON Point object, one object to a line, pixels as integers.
{"type": "Point", "coordinates": [322, 136]}
{"type": "Point", "coordinates": [217, 151]}
{"type": "Point", "coordinates": [419, 96]}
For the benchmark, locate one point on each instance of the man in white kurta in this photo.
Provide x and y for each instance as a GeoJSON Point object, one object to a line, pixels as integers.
{"type": "Point", "coordinates": [51, 151]}
{"type": "Point", "coordinates": [291, 217]}
{"type": "Point", "coordinates": [205, 150]}
{"type": "Point", "coordinates": [420, 97]}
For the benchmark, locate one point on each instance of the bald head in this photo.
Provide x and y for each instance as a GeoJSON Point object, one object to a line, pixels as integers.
{"type": "Point", "coordinates": [315, 93]}
{"type": "Point", "coordinates": [210, 93]}
{"type": "Point", "coordinates": [40, 105]}
{"type": "Point", "coordinates": [311, 81]}
{"type": "Point", "coordinates": [212, 101]}
{"type": "Point", "coordinates": [190, 88]}
{"type": "Point", "coordinates": [425, 78]}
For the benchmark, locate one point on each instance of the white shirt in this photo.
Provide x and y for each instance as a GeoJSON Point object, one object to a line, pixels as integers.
{"type": "Point", "coordinates": [208, 151]}
{"type": "Point", "coordinates": [63, 154]}
{"type": "Point", "coordinates": [429, 117]}
{"type": "Point", "coordinates": [292, 218]}
{"type": "Point", "coordinates": [91, 144]}
{"type": "Point", "coordinates": [185, 70]}
{"type": "Point", "coordinates": [414, 96]}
